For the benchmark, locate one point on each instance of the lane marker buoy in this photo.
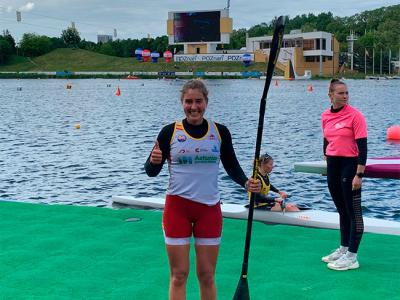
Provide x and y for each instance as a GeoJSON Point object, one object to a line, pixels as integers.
{"type": "Point", "coordinates": [393, 132]}
{"type": "Point", "coordinates": [118, 92]}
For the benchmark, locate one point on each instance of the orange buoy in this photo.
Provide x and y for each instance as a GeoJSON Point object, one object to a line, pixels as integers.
{"type": "Point", "coordinates": [118, 92]}
{"type": "Point", "coordinates": [393, 132]}
{"type": "Point", "coordinates": [310, 88]}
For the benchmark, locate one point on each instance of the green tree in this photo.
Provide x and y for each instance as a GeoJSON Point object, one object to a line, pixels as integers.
{"type": "Point", "coordinates": [368, 40]}
{"type": "Point", "coordinates": [308, 27]}
{"type": "Point", "coordinates": [8, 37]}
{"type": "Point", "coordinates": [260, 30]}
{"type": "Point", "coordinates": [237, 39]}
{"type": "Point", "coordinates": [389, 34]}
{"type": "Point", "coordinates": [107, 49]}
{"type": "Point", "coordinates": [34, 45]}
{"type": "Point", "coordinates": [56, 43]}
{"type": "Point", "coordinates": [71, 37]}
{"type": "Point", "coordinates": [5, 50]}
{"type": "Point", "coordinates": [88, 45]}
{"type": "Point", "coordinates": [161, 44]}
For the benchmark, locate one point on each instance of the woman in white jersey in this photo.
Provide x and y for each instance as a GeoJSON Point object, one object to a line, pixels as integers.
{"type": "Point", "coordinates": [193, 148]}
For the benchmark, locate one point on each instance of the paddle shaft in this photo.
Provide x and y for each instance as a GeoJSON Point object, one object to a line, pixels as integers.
{"type": "Point", "coordinates": [274, 53]}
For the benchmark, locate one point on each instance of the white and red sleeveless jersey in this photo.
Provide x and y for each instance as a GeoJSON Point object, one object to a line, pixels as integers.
{"type": "Point", "coordinates": [194, 164]}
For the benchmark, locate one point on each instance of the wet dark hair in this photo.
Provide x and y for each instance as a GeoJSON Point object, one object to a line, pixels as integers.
{"type": "Point", "coordinates": [195, 84]}
{"type": "Point", "coordinates": [334, 82]}
{"type": "Point", "coordinates": [265, 158]}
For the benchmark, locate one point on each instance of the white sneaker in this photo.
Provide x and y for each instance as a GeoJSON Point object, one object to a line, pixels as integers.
{"type": "Point", "coordinates": [335, 255]}
{"type": "Point", "coordinates": [344, 263]}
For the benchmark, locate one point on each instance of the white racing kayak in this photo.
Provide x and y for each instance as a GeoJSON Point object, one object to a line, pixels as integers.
{"type": "Point", "coordinates": [306, 218]}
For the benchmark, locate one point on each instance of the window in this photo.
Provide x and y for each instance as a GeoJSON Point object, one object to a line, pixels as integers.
{"type": "Point", "coordinates": [323, 44]}
{"type": "Point", "coordinates": [289, 43]}
{"type": "Point", "coordinates": [265, 45]}
{"type": "Point", "coordinates": [308, 44]}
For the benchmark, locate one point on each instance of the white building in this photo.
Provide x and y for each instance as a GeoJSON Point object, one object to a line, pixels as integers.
{"type": "Point", "coordinates": [104, 38]}
{"type": "Point", "coordinates": [316, 51]}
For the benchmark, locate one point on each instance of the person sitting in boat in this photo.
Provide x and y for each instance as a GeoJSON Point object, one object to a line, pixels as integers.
{"type": "Point", "coordinates": [266, 164]}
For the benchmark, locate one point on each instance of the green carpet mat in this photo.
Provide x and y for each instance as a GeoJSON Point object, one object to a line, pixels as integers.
{"type": "Point", "coordinates": [76, 252]}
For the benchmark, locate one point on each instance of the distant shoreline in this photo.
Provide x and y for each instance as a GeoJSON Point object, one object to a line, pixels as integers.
{"type": "Point", "coordinates": [132, 75]}
{"type": "Point", "coordinates": [169, 75]}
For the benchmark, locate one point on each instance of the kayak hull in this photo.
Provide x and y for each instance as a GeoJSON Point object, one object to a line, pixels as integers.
{"type": "Point", "coordinates": [305, 218]}
{"type": "Point", "coordinates": [384, 167]}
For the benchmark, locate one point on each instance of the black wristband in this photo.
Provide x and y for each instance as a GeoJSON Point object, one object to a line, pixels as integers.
{"type": "Point", "coordinates": [360, 175]}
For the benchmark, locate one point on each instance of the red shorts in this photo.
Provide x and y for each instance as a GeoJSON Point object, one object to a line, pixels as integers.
{"type": "Point", "coordinates": [183, 218]}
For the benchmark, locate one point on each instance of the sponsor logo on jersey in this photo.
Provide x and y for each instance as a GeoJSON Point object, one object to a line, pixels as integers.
{"type": "Point", "coordinates": [215, 149]}
{"type": "Point", "coordinates": [339, 125]}
{"type": "Point", "coordinates": [185, 160]}
{"type": "Point", "coordinates": [200, 150]}
{"type": "Point", "coordinates": [181, 138]}
{"type": "Point", "coordinates": [212, 137]}
{"type": "Point", "coordinates": [200, 159]}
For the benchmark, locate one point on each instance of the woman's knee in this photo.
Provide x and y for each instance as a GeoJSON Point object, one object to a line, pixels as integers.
{"type": "Point", "coordinates": [179, 277]}
{"type": "Point", "coordinates": [206, 278]}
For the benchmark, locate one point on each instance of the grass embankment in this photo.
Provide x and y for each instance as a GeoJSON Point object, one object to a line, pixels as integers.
{"type": "Point", "coordinates": [78, 60]}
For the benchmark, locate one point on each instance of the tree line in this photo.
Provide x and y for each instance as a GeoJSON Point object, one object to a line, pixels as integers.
{"type": "Point", "coordinates": [375, 29]}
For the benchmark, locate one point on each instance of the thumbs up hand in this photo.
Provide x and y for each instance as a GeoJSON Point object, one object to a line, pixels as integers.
{"type": "Point", "coordinates": [156, 154]}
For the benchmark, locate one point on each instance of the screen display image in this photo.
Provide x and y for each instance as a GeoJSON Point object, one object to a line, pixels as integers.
{"type": "Point", "coordinates": [197, 27]}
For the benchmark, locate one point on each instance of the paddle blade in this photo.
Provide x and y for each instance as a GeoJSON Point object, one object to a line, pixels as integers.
{"type": "Point", "coordinates": [242, 290]}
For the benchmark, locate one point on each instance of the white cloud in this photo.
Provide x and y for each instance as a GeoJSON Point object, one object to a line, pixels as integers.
{"type": "Point", "coordinates": [27, 7]}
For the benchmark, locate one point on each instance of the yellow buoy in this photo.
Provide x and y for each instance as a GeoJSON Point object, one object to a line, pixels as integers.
{"type": "Point", "coordinates": [77, 126]}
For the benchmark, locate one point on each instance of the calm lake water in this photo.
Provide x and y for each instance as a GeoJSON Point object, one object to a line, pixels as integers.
{"type": "Point", "coordinates": [45, 159]}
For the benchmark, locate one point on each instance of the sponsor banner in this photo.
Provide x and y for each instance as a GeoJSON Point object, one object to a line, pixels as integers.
{"type": "Point", "coordinates": [251, 74]}
{"type": "Point", "coordinates": [199, 73]}
{"type": "Point", "coordinates": [183, 73]}
{"type": "Point", "coordinates": [166, 73]}
{"type": "Point", "coordinates": [64, 73]}
{"type": "Point", "coordinates": [210, 57]}
{"type": "Point", "coordinates": [232, 73]}
{"type": "Point", "coordinates": [213, 73]}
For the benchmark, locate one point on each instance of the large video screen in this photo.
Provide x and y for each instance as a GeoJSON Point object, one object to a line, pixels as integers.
{"type": "Point", "coordinates": [197, 27]}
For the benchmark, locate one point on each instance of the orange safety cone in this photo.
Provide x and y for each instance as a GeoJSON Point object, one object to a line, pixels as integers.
{"type": "Point", "coordinates": [118, 92]}
{"type": "Point", "coordinates": [309, 88]}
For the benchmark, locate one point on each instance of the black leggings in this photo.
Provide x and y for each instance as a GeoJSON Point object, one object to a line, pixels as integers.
{"type": "Point", "coordinates": [340, 173]}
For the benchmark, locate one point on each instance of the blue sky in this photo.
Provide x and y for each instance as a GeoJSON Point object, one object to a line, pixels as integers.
{"type": "Point", "coordinates": [138, 19]}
